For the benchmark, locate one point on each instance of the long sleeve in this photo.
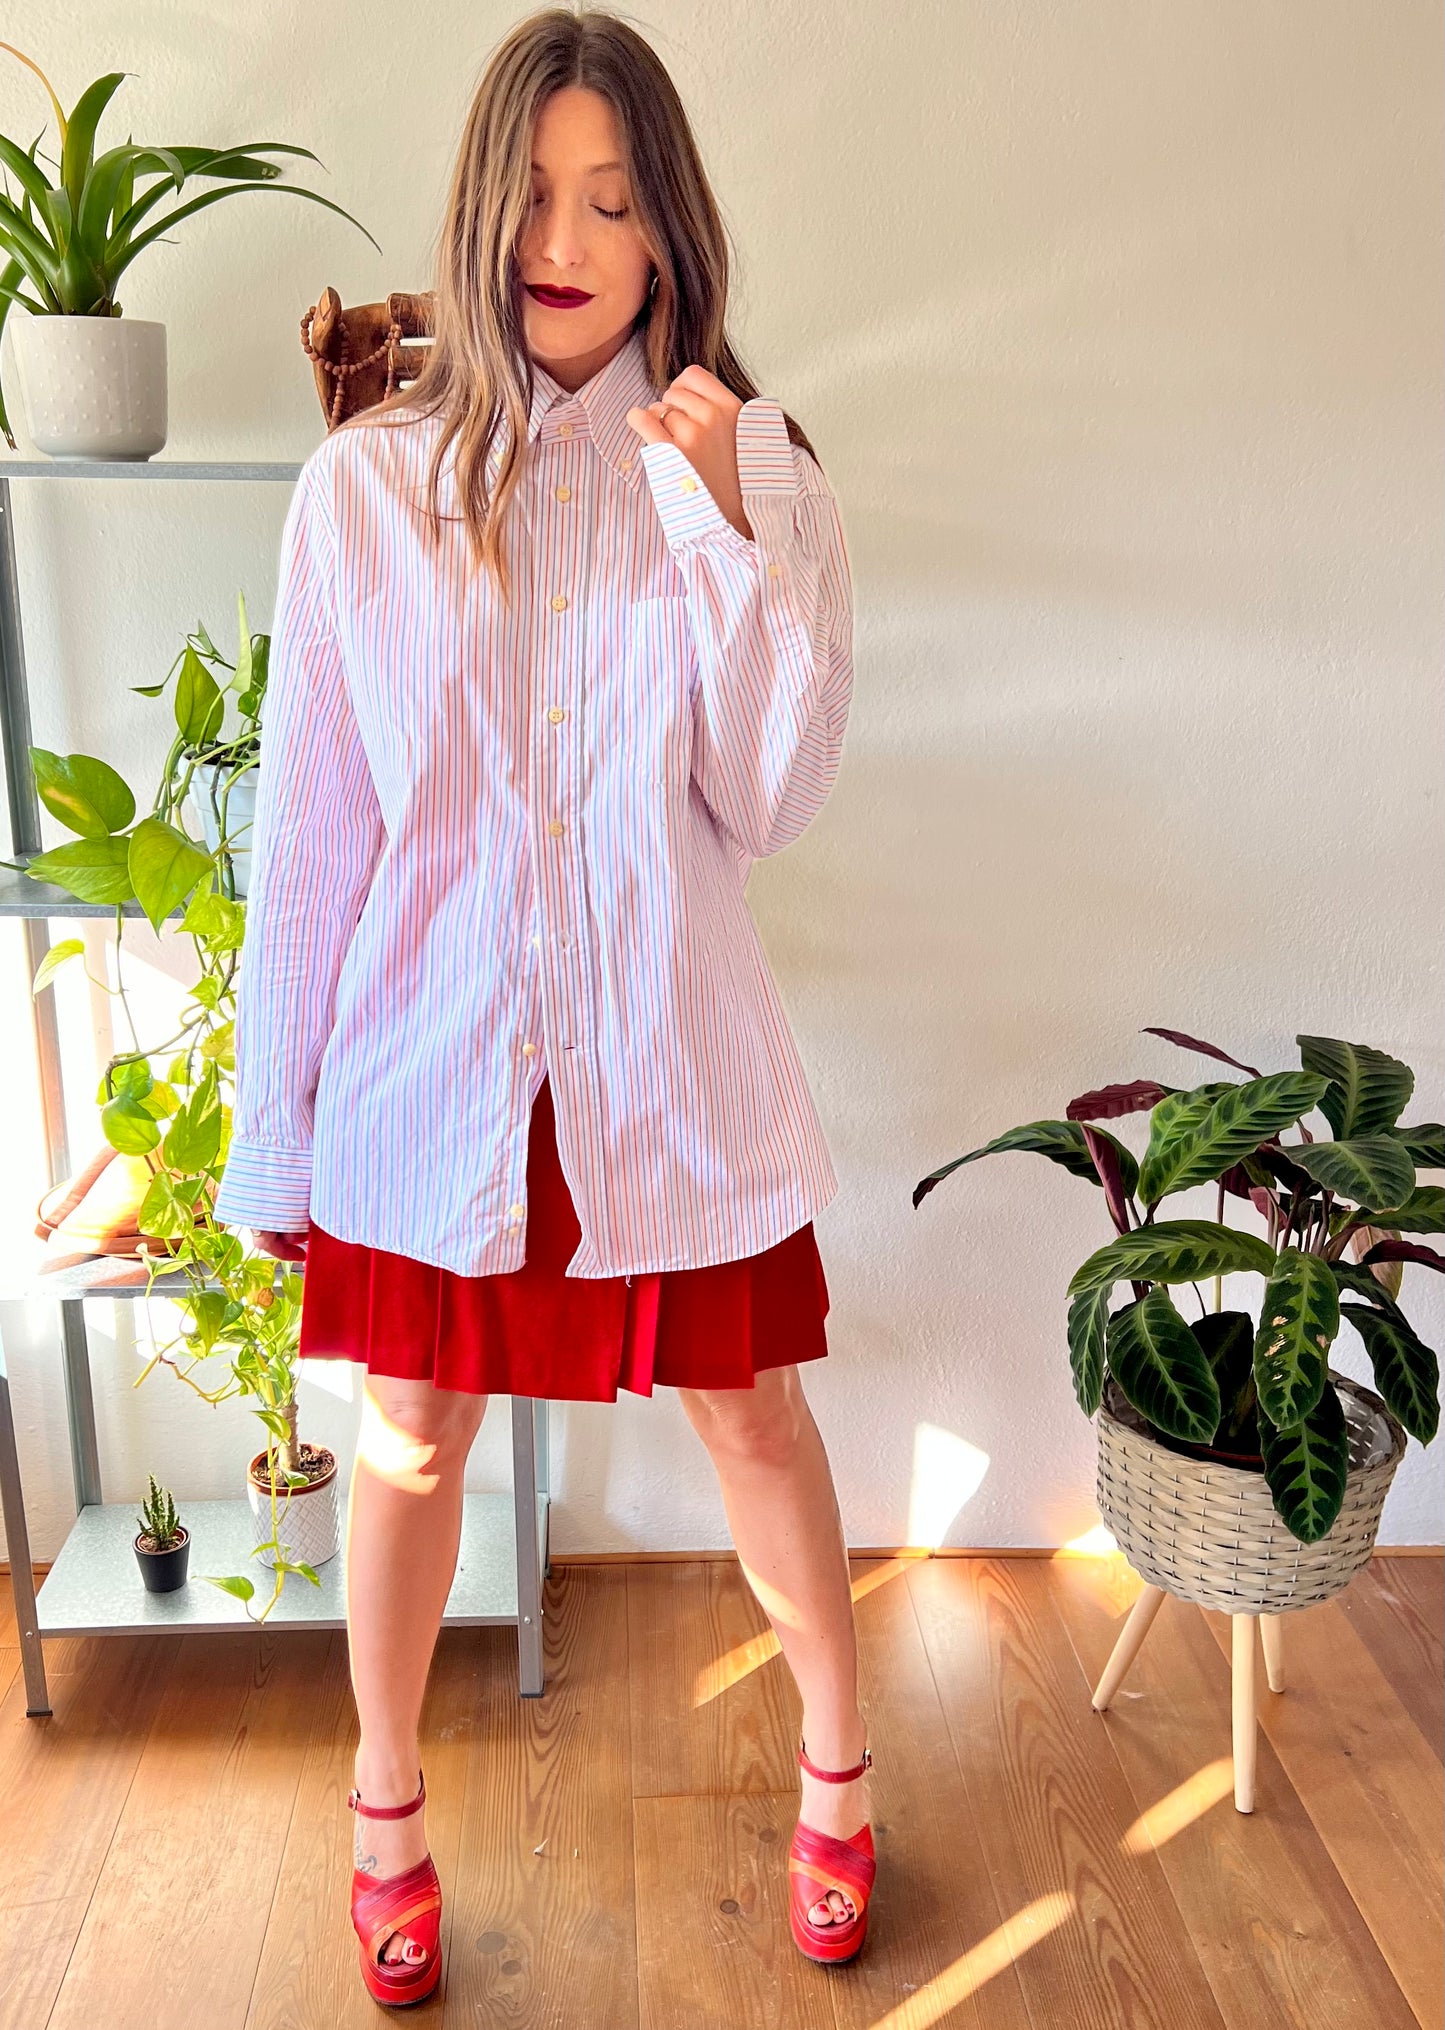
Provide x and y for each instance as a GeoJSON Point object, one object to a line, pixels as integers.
{"type": "Point", "coordinates": [316, 837]}
{"type": "Point", "coordinates": [772, 626]}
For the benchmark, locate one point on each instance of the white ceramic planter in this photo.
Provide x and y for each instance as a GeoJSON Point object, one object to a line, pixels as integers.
{"type": "Point", "coordinates": [308, 1520]}
{"type": "Point", "coordinates": [93, 387]}
{"type": "Point", "coordinates": [240, 814]}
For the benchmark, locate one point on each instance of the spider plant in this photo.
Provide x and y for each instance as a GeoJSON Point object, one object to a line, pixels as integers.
{"type": "Point", "coordinates": [69, 242]}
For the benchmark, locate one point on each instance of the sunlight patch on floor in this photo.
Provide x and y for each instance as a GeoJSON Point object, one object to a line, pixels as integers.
{"type": "Point", "coordinates": [1179, 1808]}
{"type": "Point", "coordinates": [980, 1964]}
{"type": "Point", "coordinates": [725, 1671]}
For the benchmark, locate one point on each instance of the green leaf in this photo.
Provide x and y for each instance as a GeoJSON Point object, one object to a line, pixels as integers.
{"type": "Point", "coordinates": [127, 1126]}
{"type": "Point", "coordinates": [1174, 1251]}
{"type": "Point", "coordinates": [85, 794]}
{"type": "Point", "coordinates": [1162, 1368]}
{"type": "Point", "coordinates": [1426, 1144]}
{"type": "Point", "coordinates": [1299, 1317]}
{"type": "Point", "coordinates": [1355, 1280]}
{"type": "Point", "coordinates": [1227, 1338]}
{"type": "Point", "coordinates": [1370, 1170]}
{"type": "Point", "coordinates": [195, 1133]}
{"type": "Point", "coordinates": [78, 151]}
{"type": "Point", "coordinates": [119, 258]}
{"type": "Point", "coordinates": [241, 1587]}
{"type": "Point", "coordinates": [95, 870]}
{"type": "Point", "coordinates": [1191, 1145]}
{"type": "Point", "coordinates": [26, 171]}
{"type": "Point", "coordinates": [1088, 1318]}
{"type": "Point", "coordinates": [200, 703]}
{"type": "Point", "coordinates": [1367, 1089]}
{"type": "Point", "coordinates": [1423, 1212]}
{"type": "Point", "coordinates": [1061, 1141]}
{"type": "Point", "coordinates": [1306, 1467]}
{"type": "Point", "coordinates": [164, 867]}
{"type": "Point", "coordinates": [55, 958]}
{"type": "Point", "coordinates": [1407, 1372]}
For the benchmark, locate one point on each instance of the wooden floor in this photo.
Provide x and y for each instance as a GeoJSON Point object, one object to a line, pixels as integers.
{"type": "Point", "coordinates": [176, 1849]}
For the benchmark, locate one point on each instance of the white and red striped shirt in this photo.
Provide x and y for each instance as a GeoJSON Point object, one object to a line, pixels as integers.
{"type": "Point", "coordinates": [494, 844]}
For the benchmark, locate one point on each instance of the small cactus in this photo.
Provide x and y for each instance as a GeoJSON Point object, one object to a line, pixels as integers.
{"type": "Point", "coordinates": [158, 1516]}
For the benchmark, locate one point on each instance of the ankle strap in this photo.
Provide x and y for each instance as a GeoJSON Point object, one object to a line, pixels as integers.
{"type": "Point", "coordinates": [388, 1811]}
{"type": "Point", "coordinates": [835, 1775]}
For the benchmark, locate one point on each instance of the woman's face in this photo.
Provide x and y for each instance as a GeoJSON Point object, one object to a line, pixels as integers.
{"type": "Point", "coordinates": [581, 239]}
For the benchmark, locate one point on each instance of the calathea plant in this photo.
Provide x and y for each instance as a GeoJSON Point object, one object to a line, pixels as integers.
{"type": "Point", "coordinates": [1256, 1392]}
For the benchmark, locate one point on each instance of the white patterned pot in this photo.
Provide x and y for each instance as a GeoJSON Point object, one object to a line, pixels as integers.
{"type": "Point", "coordinates": [93, 387]}
{"type": "Point", "coordinates": [240, 814]}
{"type": "Point", "coordinates": [308, 1519]}
{"type": "Point", "coordinates": [1210, 1533]}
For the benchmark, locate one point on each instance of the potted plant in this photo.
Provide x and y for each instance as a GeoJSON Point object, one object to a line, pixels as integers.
{"type": "Point", "coordinates": [240, 1306]}
{"type": "Point", "coordinates": [1235, 1466]}
{"type": "Point", "coordinates": [163, 1545]}
{"type": "Point", "coordinates": [94, 382]}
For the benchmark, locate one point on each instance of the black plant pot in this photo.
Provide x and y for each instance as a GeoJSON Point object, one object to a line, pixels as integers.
{"type": "Point", "coordinates": [164, 1571]}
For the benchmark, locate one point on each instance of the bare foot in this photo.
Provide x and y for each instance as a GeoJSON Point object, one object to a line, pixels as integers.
{"type": "Point", "coordinates": [390, 1846]}
{"type": "Point", "coordinates": [836, 1808]}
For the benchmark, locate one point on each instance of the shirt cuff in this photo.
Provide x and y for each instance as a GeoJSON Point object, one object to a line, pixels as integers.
{"type": "Point", "coordinates": [766, 466]}
{"type": "Point", "coordinates": [265, 1188]}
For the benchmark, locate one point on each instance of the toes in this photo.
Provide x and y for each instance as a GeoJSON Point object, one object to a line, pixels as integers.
{"type": "Point", "coordinates": [821, 1912]}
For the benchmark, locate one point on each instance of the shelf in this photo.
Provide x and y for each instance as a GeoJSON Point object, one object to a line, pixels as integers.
{"type": "Point", "coordinates": [95, 1587]}
{"type": "Point", "coordinates": [148, 468]}
{"type": "Point", "coordinates": [88, 1276]}
{"type": "Point", "coordinates": [21, 896]}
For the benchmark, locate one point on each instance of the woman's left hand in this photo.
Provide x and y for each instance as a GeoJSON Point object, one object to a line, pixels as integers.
{"type": "Point", "coordinates": [702, 421]}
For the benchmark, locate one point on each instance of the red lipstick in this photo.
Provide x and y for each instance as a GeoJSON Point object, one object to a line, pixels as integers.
{"type": "Point", "coordinates": [557, 299]}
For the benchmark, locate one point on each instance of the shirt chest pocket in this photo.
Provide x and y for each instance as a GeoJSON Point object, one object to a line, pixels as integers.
{"type": "Point", "coordinates": [651, 689]}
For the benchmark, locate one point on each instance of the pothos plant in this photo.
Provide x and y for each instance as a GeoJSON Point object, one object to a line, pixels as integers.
{"type": "Point", "coordinates": [1339, 1217]}
{"type": "Point", "coordinates": [179, 1116]}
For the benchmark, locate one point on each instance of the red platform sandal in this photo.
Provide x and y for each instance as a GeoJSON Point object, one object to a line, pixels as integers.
{"type": "Point", "coordinates": [410, 1902]}
{"type": "Point", "coordinates": [818, 1862]}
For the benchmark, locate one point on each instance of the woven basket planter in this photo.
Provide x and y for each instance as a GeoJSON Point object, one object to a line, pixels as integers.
{"type": "Point", "coordinates": [1209, 1533]}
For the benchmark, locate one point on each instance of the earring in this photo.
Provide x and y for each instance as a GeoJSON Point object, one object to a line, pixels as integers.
{"type": "Point", "coordinates": [652, 286]}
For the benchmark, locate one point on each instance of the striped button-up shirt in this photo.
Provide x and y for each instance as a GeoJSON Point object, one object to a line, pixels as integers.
{"type": "Point", "coordinates": [494, 844]}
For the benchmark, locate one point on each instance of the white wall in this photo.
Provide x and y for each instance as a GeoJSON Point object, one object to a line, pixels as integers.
{"type": "Point", "coordinates": [1118, 331]}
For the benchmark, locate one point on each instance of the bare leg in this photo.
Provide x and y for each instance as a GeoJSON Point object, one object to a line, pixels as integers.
{"type": "Point", "coordinates": [777, 1489]}
{"type": "Point", "coordinates": [403, 1529]}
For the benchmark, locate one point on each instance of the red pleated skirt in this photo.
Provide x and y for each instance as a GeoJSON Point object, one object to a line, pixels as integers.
{"type": "Point", "coordinates": [535, 1331]}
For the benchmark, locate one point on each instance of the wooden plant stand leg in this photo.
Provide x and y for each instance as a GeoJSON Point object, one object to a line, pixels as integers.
{"type": "Point", "coordinates": [1131, 1637]}
{"type": "Point", "coordinates": [1245, 1725]}
{"type": "Point", "coordinates": [1242, 1677]}
{"type": "Point", "coordinates": [1271, 1630]}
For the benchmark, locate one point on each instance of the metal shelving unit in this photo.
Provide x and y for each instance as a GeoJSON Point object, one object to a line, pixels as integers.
{"type": "Point", "coordinates": [93, 1587]}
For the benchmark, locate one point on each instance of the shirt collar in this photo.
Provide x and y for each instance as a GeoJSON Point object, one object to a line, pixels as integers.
{"type": "Point", "coordinates": [601, 405]}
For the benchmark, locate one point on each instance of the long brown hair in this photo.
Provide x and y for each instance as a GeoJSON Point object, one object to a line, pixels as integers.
{"type": "Point", "coordinates": [478, 375]}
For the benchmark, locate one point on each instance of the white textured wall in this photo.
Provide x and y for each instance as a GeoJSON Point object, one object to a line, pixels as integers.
{"type": "Point", "coordinates": [1118, 331]}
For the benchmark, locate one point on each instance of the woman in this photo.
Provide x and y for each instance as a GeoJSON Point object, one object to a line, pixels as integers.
{"type": "Point", "coordinates": [563, 644]}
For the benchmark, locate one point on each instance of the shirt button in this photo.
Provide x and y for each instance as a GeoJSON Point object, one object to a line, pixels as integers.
{"type": "Point", "coordinates": [688, 485]}
{"type": "Point", "coordinates": [564, 429]}
{"type": "Point", "coordinates": [556, 828]}
{"type": "Point", "coordinates": [626, 464]}
{"type": "Point", "coordinates": [559, 600]}
{"type": "Point", "coordinates": [529, 1050]}
{"type": "Point", "coordinates": [775, 570]}
{"type": "Point", "coordinates": [515, 1211]}
{"type": "Point", "coordinates": [556, 714]}
{"type": "Point", "coordinates": [564, 493]}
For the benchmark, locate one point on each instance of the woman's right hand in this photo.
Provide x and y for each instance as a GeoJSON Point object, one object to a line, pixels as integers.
{"type": "Point", "coordinates": [286, 1247]}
